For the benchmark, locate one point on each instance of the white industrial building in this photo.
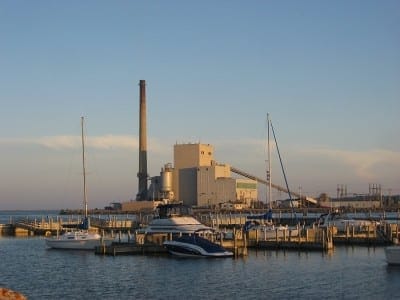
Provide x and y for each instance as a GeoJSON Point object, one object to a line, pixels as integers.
{"type": "Point", "coordinates": [196, 179]}
{"type": "Point", "coordinates": [200, 181]}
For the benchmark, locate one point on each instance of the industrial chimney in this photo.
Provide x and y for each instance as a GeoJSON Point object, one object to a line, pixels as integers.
{"type": "Point", "coordinates": [142, 174]}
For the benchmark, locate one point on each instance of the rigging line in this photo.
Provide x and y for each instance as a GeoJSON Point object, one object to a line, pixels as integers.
{"type": "Point", "coordinates": [283, 170]}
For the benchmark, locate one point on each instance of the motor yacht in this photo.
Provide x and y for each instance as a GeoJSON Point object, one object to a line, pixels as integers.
{"type": "Point", "coordinates": [176, 224]}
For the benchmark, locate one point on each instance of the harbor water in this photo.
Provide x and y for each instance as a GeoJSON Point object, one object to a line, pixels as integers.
{"type": "Point", "coordinates": [347, 272]}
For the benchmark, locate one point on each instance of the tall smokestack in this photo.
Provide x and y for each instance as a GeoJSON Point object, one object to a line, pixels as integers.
{"type": "Point", "coordinates": [142, 174]}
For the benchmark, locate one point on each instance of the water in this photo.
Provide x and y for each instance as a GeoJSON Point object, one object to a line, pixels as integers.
{"type": "Point", "coordinates": [346, 273]}
{"type": "Point", "coordinates": [26, 265]}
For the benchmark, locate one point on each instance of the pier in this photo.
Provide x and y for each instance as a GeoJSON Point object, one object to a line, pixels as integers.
{"type": "Point", "coordinates": [302, 238]}
{"type": "Point", "coordinates": [292, 238]}
{"type": "Point", "coordinates": [153, 244]}
{"type": "Point", "coordinates": [236, 241]}
{"type": "Point", "coordinates": [47, 226]}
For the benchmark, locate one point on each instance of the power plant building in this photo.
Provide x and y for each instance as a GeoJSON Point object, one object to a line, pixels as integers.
{"type": "Point", "coordinates": [200, 181]}
{"type": "Point", "coordinates": [195, 179]}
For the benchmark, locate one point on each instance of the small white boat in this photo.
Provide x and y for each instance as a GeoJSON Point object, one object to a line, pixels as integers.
{"type": "Point", "coordinates": [195, 246]}
{"type": "Point", "coordinates": [341, 221]}
{"type": "Point", "coordinates": [392, 254]}
{"type": "Point", "coordinates": [77, 240]}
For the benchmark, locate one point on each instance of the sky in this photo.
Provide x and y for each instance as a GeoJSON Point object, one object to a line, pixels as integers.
{"type": "Point", "coordinates": [327, 72]}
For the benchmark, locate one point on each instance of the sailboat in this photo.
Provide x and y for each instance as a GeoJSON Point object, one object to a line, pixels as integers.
{"type": "Point", "coordinates": [81, 239]}
{"type": "Point", "coordinates": [264, 222]}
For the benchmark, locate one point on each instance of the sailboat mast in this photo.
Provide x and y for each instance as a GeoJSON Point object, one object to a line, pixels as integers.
{"type": "Point", "coordinates": [269, 167]}
{"type": "Point", "coordinates": [84, 169]}
{"type": "Point", "coordinates": [283, 171]}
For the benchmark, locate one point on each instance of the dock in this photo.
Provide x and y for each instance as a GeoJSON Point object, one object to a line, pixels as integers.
{"type": "Point", "coordinates": [123, 248]}
{"type": "Point", "coordinates": [237, 241]}
{"type": "Point", "coordinates": [153, 244]}
{"type": "Point", "coordinates": [293, 238]}
{"type": "Point", "coordinates": [46, 226]}
{"type": "Point", "coordinates": [374, 235]}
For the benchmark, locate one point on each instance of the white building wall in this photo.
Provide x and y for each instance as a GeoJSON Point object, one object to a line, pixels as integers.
{"type": "Point", "coordinates": [190, 156]}
{"type": "Point", "coordinates": [212, 187]}
{"type": "Point", "coordinates": [199, 181]}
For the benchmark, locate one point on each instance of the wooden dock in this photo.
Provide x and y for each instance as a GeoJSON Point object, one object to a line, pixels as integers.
{"type": "Point", "coordinates": [52, 226]}
{"type": "Point", "coordinates": [153, 244]}
{"type": "Point", "coordinates": [301, 239]}
{"type": "Point", "coordinates": [7, 229]}
{"type": "Point", "coordinates": [372, 235]}
{"type": "Point", "coordinates": [130, 249]}
{"type": "Point", "coordinates": [307, 239]}
{"type": "Point", "coordinates": [26, 227]}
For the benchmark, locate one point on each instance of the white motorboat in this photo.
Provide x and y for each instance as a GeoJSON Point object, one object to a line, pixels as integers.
{"type": "Point", "coordinates": [195, 246]}
{"type": "Point", "coordinates": [187, 236]}
{"type": "Point", "coordinates": [176, 224]}
{"type": "Point", "coordinates": [392, 254]}
{"type": "Point", "coordinates": [81, 239]}
{"type": "Point", "coordinates": [342, 221]}
{"type": "Point", "coordinates": [172, 220]}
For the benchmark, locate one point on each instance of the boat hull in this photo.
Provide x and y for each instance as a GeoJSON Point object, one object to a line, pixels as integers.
{"type": "Point", "coordinates": [78, 241]}
{"type": "Point", "coordinates": [195, 247]}
{"type": "Point", "coordinates": [73, 245]}
{"type": "Point", "coordinates": [392, 254]}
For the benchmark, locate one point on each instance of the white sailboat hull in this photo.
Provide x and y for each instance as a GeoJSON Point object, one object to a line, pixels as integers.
{"type": "Point", "coordinates": [77, 241]}
{"type": "Point", "coordinates": [78, 245]}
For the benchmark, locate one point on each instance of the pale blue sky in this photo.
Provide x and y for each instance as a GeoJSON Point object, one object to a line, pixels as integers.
{"type": "Point", "coordinates": [328, 72]}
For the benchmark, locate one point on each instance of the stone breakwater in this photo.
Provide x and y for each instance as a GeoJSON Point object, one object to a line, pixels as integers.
{"type": "Point", "coordinates": [7, 294]}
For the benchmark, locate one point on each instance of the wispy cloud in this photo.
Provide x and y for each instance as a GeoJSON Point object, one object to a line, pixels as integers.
{"type": "Point", "coordinates": [366, 164]}
{"type": "Point", "coordinates": [73, 142]}
{"type": "Point", "coordinates": [105, 142]}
